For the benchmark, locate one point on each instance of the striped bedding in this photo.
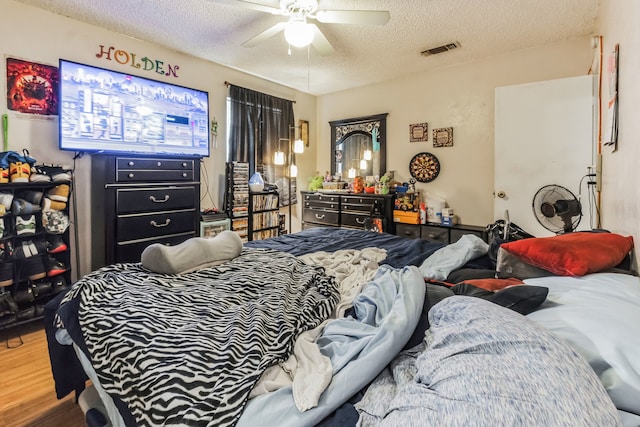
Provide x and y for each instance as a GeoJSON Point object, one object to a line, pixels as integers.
{"type": "Point", "coordinates": [188, 349]}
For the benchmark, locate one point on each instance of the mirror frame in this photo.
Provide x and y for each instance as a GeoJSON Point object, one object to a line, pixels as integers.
{"type": "Point", "coordinates": [342, 129]}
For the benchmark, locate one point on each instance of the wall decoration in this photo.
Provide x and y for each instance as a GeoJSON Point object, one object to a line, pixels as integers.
{"type": "Point", "coordinates": [424, 167]}
{"type": "Point", "coordinates": [31, 87]}
{"type": "Point", "coordinates": [443, 137]}
{"type": "Point", "coordinates": [610, 136]}
{"type": "Point", "coordinates": [131, 58]}
{"type": "Point", "coordinates": [304, 131]}
{"type": "Point", "coordinates": [418, 132]}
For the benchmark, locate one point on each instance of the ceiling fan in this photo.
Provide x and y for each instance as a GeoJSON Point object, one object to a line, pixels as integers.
{"type": "Point", "coordinates": [298, 31]}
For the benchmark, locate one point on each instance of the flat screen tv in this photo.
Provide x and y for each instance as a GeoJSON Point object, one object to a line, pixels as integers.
{"type": "Point", "coordinates": [105, 111]}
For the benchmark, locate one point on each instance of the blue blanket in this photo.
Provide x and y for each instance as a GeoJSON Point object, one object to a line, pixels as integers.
{"type": "Point", "coordinates": [386, 313]}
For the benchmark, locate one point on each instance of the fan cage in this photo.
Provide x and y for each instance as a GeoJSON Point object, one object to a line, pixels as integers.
{"type": "Point", "coordinates": [559, 223]}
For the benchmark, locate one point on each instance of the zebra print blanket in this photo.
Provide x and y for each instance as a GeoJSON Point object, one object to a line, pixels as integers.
{"type": "Point", "coordinates": [187, 349]}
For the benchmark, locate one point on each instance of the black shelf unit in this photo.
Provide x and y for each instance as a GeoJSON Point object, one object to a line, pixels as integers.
{"type": "Point", "coordinates": [20, 252]}
{"type": "Point", "coordinates": [236, 197]}
{"type": "Point", "coordinates": [264, 219]}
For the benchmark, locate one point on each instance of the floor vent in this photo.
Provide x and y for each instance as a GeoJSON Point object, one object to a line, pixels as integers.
{"type": "Point", "coordinates": [440, 49]}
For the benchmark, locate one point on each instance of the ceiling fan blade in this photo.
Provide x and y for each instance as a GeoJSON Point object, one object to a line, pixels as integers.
{"type": "Point", "coordinates": [250, 5]}
{"type": "Point", "coordinates": [365, 17]}
{"type": "Point", "coordinates": [267, 34]}
{"type": "Point", "coordinates": [320, 42]}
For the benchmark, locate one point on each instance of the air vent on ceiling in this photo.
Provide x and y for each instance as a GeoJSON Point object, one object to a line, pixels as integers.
{"type": "Point", "coordinates": [440, 49]}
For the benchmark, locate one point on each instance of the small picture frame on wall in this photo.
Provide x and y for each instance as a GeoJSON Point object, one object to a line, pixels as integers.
{"type": "Point", "coordinates": [418, 132]}
{"type": "Point", "coordinates": [304, 132]}
{"type": "Point", "coordinates": [443, 137]}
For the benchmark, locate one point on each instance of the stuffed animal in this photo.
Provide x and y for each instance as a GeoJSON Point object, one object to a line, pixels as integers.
{"type": "Point", "coordinates": [387, 177]}
{"type": "Point", "coordinates": [315, 183]}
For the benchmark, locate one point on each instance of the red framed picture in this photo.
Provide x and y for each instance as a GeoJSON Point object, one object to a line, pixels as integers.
{"type": "Point", "coordinates": [31, 87]}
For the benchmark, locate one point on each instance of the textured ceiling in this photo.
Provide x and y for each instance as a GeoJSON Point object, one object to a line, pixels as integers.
{"type": "Point", "coordinates": [363, 54]}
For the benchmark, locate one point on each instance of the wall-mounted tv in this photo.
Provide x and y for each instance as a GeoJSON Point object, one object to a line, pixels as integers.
{"type": "Point", "coordinates": [105, 111]}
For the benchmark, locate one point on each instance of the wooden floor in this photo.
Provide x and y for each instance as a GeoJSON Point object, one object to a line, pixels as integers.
{"type": "Point", "coordinates": [27, 394]}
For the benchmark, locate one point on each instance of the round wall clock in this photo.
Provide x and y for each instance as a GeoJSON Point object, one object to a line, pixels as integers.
{"type": "Point", "coordinates": [424, 167]}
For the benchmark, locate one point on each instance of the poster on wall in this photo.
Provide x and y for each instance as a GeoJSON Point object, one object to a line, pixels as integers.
{"type": "Point", "coordinates": [32, 88]}
{"type": "Point", "coordinates": [611, 130]}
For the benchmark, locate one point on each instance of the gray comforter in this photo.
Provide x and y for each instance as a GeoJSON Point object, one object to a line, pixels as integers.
{"type": "Point", "coordinates": [484, 365]}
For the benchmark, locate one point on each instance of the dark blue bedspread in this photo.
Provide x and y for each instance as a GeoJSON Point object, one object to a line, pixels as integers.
{"type": "Point", "coordinates": [400, 250]}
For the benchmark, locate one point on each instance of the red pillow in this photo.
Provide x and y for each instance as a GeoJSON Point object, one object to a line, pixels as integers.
{"type": "Point", "coordinates": [573, 254]}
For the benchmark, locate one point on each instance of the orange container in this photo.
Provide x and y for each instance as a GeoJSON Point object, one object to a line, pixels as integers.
{"type": "Point", "coordinates": [406, 217]}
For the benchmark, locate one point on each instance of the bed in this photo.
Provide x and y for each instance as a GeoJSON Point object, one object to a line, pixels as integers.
{"type": "Point", "coordinates": [338, 327]}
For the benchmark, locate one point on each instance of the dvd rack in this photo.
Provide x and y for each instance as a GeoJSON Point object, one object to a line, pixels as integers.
{"type": "Point", "coordinates": [264, 221]}
{"type": "Point", "coordinates": [237, 197]}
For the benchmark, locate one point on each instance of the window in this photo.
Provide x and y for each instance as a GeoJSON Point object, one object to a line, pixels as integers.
{"type": "Point", "coordinates": [259, 125]}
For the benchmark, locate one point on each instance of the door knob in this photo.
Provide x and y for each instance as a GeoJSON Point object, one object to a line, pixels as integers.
{"type": "Point", "coordinates": [501, 194]}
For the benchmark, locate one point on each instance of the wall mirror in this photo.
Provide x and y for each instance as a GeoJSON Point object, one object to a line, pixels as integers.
{"type": "Point", "coordinates": [358, 146]}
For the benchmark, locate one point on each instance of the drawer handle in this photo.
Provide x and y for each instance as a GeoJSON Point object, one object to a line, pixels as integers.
{"type": "Point", "coordinates": [154, 200]}
{"type": "Point", "coordinates": [320, 216]}
{"type": "Point", "coordinates": [155, 224]}
{"type": "Point", "coordinates": [131, 163]}
{"type": "Point", "coordinates": [159, 164]}
{"type": "Point", "coordinates": [131, 175]}
{"type": "Point", "coordinates": [184, 174]}
{"type": "Point", "coordinates": [360, 220]}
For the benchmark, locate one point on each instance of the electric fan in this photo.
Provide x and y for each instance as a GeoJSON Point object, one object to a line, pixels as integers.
{"type": "Point", "coordinates": [557, 209]}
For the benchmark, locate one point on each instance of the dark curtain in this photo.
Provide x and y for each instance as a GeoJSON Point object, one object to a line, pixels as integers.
{"type": "Point", "coordinates": [260, 125]}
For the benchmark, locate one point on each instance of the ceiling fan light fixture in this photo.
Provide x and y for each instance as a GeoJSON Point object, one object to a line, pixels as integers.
{"type": "Point", "coordinates": [297, 32]}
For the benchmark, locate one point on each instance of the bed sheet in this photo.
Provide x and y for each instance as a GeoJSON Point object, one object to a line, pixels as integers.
{"type": "Point", "coordinates": [386, 312]}
{"type": "Point", "coordinates": [599, 314]}
{"type": "Point", "coordinates": [359, 346]}
{"type": "Point", "coordinates": [195, 343]}
{"type": "Point", "coordinates": [484, 365]}
{"type": "Point", "coordinates": [400, 250]}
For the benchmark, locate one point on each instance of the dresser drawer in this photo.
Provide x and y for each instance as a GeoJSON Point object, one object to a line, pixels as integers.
{"type": "Point", "coordinates": [141, 226]}
{"type": "Point", "coordinates": [321, 216]}
{"type": "Point", "coordinates": [131, 251]}
{"type": "Point", "coordinates": [153, 175]}
{"type": "Point", "coordinates": [438, 234]}
{"type": "Point", "coordinates": [360, 204]}
{"type": "Point", "coordinates": [322, 205]}
{"type": "Point", "coordinates": [319, 199]}
{"type": "Point", "coordinates": [133, 163]}
{"type": "Point", "coordinates": [155, 199]}
{"type": "Point", "coordinates": [412, 231]}
{"type": "Point", "coordinates": [354, 220]}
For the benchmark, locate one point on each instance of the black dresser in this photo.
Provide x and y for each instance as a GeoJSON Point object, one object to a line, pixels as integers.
{"type": "Point", "coordinates": [137, 201]}
{"type": "Point", "coordinates": [327, 209]}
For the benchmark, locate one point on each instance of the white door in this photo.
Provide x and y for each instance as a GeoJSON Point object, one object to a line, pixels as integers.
{"type": "Point", "coordinates": [543, 135]}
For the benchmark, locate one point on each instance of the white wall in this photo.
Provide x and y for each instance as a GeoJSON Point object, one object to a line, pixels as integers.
{"type": "Point", "coordinates": [33, 34]}
{"type": "Point", "coordinates": [462, 97]}
{"type": "Point", "coordinates": [618, 23]}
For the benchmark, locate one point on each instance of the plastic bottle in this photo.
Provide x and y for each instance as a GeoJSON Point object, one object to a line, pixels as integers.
{"type": "Point", "coordinates": [423, 213]}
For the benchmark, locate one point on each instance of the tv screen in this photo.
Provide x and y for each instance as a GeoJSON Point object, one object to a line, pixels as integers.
{"type": "Point", "coordinates": [105, 111]}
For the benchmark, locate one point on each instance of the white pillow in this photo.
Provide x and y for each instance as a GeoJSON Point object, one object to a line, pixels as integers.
{"type": "Point", "coordinates": [599, 315]}
{"type": "Point", "coordinates": [192, 254]}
